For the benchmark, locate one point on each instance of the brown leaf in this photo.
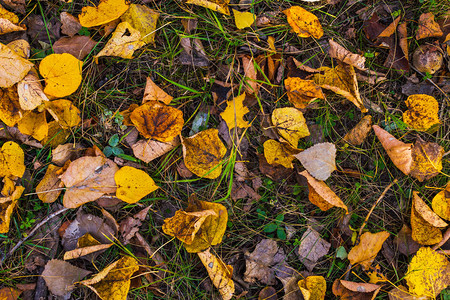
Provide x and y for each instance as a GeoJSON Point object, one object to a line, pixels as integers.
{"type": "Point", "coordinates": [365, 252]}
{"type": "Point", "coordinates": [131, 225]}
{"type": "Point", "coordinates": [250, 79]}
{"type": "Point", "coordinates": [50, 186]}
{"type": "Point", "coordinates": [275, 172]}
{"type": "Point", "coordinates": [79, 46]}
{"type": "Point", "coordinates": [148, 150]}
{"type": "Point", "coordinates": [428, 27]}
{"type": "Point", "coordinates": [60, 277]}
{"type": "Point", "coordinates": [8, 293]}
{"type": "Point", "coordinates": [348, 290]}
{"type": "Point", "coordinates": [65, 152]}
{"type": "Point", "coordinates": [268, 293]}
{"type": "Point", "coordinates": [342, 54]}
{"type": "Point", "coordinates": [17, 5]}
{"type": "Point", "coordinates": [155, 93]}
{"type": "Point", "coordinates": [357, 135]}
{"type": "Point", "coordinates": [404, 241]}
{"type": "Point", "coordinates": [70, 25]}
{"type": "Point", "coordinates": [312, 248]}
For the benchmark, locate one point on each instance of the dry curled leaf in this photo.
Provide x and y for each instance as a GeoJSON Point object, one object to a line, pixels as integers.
{"type": "Point", "coordinates": [148, 150]}
{"type": "Point", "coordinates": [155, 93]}
{"type": "Point", "coordinates": [30, 91]}
{"type": "Point", "coordinates": [144, 20]}
{"type": "Point", "coordinates": [277, 153]}
{"type": "Point", "coordinates": [290, 124]}
{"type": "Point", "coordinates": [13, 68]}
{"type": "Point", "coordinates": [312, 247]}
{"type": "Point", "coordinates": [355, 290]}
{"type": "Point", "coordinates": [133, 184]}
{"type": "Point", "coordinates": [345, 56]}
{"type": "Point", "coordinates": [357, 135]}
{"type": "Point", "coordinates": [50, 186]}
{"type": "Point", "coordinates": [216, 5]}
{"type": "Point", "coordinates": [304, 23]}
{"type": "Point", "coordinates": [422, 113]}
{"type": "Point", "coordinates": [319, 160]}
{"type": "Point", "coordinates": [234, 113]}
{"type": "Point", "coordinates": [365, 252]}
{"type": "Point", "coordinates": [105, 12]}
{"type": "Point", "coordinates": [313, 287]}
{"type": "Point", "coordinates": [428, 27]}
{"type": "Point", "coordinates": [301, 92]}
{"type": "Point", "coordinates": [60, 276]}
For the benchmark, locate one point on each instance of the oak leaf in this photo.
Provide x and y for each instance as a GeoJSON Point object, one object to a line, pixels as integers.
{"type": "Point", "coordinates": [64, 112]}
{"type": "Point", "coordinates": [357, 135]}
{"type": "Point", "coordinates": [243, 19]}
{"type": "Point", "coordinates": [345, 56]}
{"type": "Point", "coordinates": [148, 150]}
{"type": "Point", "coordinates": [301, 92]}
{"type": "Point", "coordinates": [279, 154]}
{"type": "Point", "coordinates": [428, 27]}
{"type": "Point", "coordinates": [234, 113]}
{"type": "Point", "coordinates": [13, 68]}
{"type": "Point", "coordinates": [319, 160]}
{"type": "Point", "coordinates": [11, 160]}
{"type": "Point", "coordinates": [30, 91]}
{"type": "Point", "coordinates": [369, 245]}
{"type": "Point", "coordinates": [313, 287]}
{"type": "Point", "coordinates": [144, 20]}
{"type": "Point", "coordinates": [155, 93]}
{"type": "Point", "coordinates": [60, 276]}
{"type": "Point", "coordinates": [304, 23]}
{"type": "Point", "coordinates": [216, 5]}
{"type": "Point", "coordinates": [441, 203]}
{"type": "Point", "coordinates": [290, 124]}
{"type": "Point", "coordinates": [422, 113]}
{"type": "Point", "coordinates": [105, 12]}
{"type": "Point", "coordinates": [10, 111]}
{"type": "Point", "coordinates": [133, 184]}
{"type": "Point", "coordinates": [34, 124]}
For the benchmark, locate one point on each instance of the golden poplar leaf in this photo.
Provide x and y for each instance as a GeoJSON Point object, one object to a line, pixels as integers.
{"type": "Point", "coordinates": [321, 195]}
{"type": "Point", "coordinates": [441, 203]}
{"type": "Point", "coordinates": [133, 184]}
{"type": "Point", "coordinates": [290, 124]}
{"type": "Point", "coordinates": [425, 224]}
{"type": "Point", "coordinates": [342, 81]}
{"type": "Point", "coordinates": [155, 93]}
{"type": "Point", "coordinates": [105, 12]}
{"type": "Point", "coordinates": [157, 121]}
{"type": "Point", "coordinates": [319, 160]}
{"type": "Point", "coordinates": [428, 27]}
{"type": "Point", "coordinates": [313, 287]}
{"type": "Point", "coordinates": [277, 153]}
{"type": "Point", "coordinates": [234, 113]}
{"type": "Point", "coordinates": [13, 68]}
{"type": "Point", "coordinates": [243, 19]}
{"type": "Point", "coordinates": [62, 74]}
{"type": "Point", "coordinates": [87, 179]}
{"type": "Point", "coordinates": [422, 113]}
{"type": "Point", "coordinates": [50, 186]}
{"type": "Point", "coordinates": [144, 20]}
{"type": "Point", "coordinates": [20, 47]}
{"type": "Point", "coordinates": [34, 124]}
{"type": "Point", "coordinates": [203, 153]}
{"type": "Point", "coordinates": [123, 42]}
{"type": "Point", "coordinates": [216, 5]}
{"type": "Point", "coordinates": [428, 273]}
{"type": "Point", "coordinates": [357, 135]}
{"type": "Point", "coordinates": [9, 22]}
{"type": "Point", "coordinates": [113, 282]}
{"type": "Point", "coordinates": [304, 23]}
{"type": "Point", "coordinates": [30, 91]}
{"type": "Point", "coordinates": [301, 92]}
{"type": "Point", "coordinates": [10, 111]}
{"type": "Point", "coordinates": [219, 272]}
{"type": "Point", "coordinates": [7, 205]}
{"type": "Point", "coordinates": [427, 160]}
{"type": "Point", "coordinates": [64, 112]}
{"type": "Point", "coordinates": [11, 160]}
{"type": "Point", "coordinates": [56, 135]}
{"type": "Point", "coordinates": [369, 245]}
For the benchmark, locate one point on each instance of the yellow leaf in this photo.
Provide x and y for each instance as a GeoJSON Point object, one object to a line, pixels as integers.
{"type": "Point", "coordinates": [428, 27]}
{"type": "Point", "coordinates": [86, 244]}
{"type": "Point", "coordinates": [155, 93]}
{"type": "Point", "coordinates": [234, 113]}
{"type": "Point", "coordinates": [428, 273]}
{"type": "Point", "coordinates": [441, 203]}
{"type": "Point", "coordinates": [13, 68]}
{"type": "Point", "coordinates": [113, 282]}
{"type": "Point", "coordinates": [11, 160]}
{"type": "Point", "coordinates": [20, 47]}
{"type": "Point", "coordinates": [34, 124]}
{"type": "Point", "coordinates": [8, 293]}
{"type": "Point", "coordinates": [425, 224]}
{"type": "Point", "coordinates": [9, 22]}
{"type": "Point", "coordinates": [357, 135]}
{"type": "Point", "coordinates": [62, 74]}
{"type": "Point", "coordinates": [301, 92]}
{"type": "Point", "coordinates": [342, 81]}
{"type": "Point", "coordinates": [123, 42]}
{"type": "Point", "coordinates": [133, 184]}
{"type": "Point", "coordinates": [203, 153]}
{"type": "Point", "coordinates": [50, 186]}
{"type": "Point", "coordinates": [243, 19]}
{"type": "Point", "coordinates": [313, 287]}
{"type": "Point", "coordinates": [64, 112]}
{"type": "Point", "coordinates": [304, 23]}
{"type": "Point", "coordinates": [290, 124]}
{"type": "Point", "coordinates": [427, 160]}
{"type": "Point", "coordinates": [30, 90]}
{"type": "Point", "coordinates": [158, 121]}
{"type": "Point", "coordinates": [279, 154]}
{"type": "Point", "coordinates": [143, 19]}
{"type": "Point", "coordinates": [422, 113]}
{"type": "Point", "coordinates": [10, 111]}
{"type": "Point", "coordinates": [7, 205]}
{"type": "Point", "coordinates": [105, 12]}
{"type": "Point", "coordinates": [216, 5]}
{"type": "Point", "coordinates": [56, 135]}
{"type": "Point", "coordinates": [219, 272]}
{"type": "Point", "coordinates": [369, 245]}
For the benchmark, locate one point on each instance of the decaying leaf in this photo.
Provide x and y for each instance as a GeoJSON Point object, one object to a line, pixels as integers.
{"type": "Point", "coordinates": [56, 135]}
{"type": "Point", "coordinates": [243, 19]}
{"type": "Point", "coordinates": [277, 153]}
{"type": "Point", "coordinates": [105, 12]}
{"type": "Point", "coordinates": [234, 113]}
{"type": "Point", "coordinates": [290, 124]}
{"type": "Point", "coordinates": [8, 293]}
{"type": "Point", "coordinates": [425, 223]}
{"type": "Point", "coordinates": [131, 225]}
{"type": "Point", "coordinates": [357, 135]}
{"type": "Point", "coordinates": [7, 205]}
{"type": "Point", "coordinates": [34, 124]}
{"type": "Point", "coordinates": [345, 56]}
{"type": "Point", "coordinates": [62, 74]}
{"type": "Point", "coordinates": [369, 245]}
{"type": "Point", "coordinates": [304, 23]}
{"type": "Point", "coordinates": [342, 81]}
{"type": "Point", "coordinates": [144, 20]}
{"type": "Point", "coordinates": [313, 287]}
{"type": "Point", "coordinates": [13, 68]}
{"type": "Point", "coordinates": [301, 92]}
{"type": "Point", "coordinates": [321, 195]}
{"type": "Point", "coordinates": [422, 113]}
{"type": "Point", "coordinates": [158, 121]}
{"type": "Point", "coordinates": [441, 203]}
{"type": "Point", "coordinates": [268, 293]}
{"type": "Point", "coordinates": [9, 22]}
{"type": "Point", "coordinates": [113, 282]}
{"type": "Point", "coordinates": [355, 290]}
{"type": "Point", "coordinates": [60, 276]}
{"type": "Point", "coordinates": [319, 160]}
{"type": "Point", "coordinates": [428, 273]}
{"type": "Point", "coordinates": [123, 42]}
{"type": "Point", "coordinates": [428, 27]}
{"type": "Point", "coordinates": [148, 150]}
{"type": "Point", "coordinates": [427, 160]}
{"type": "Point", "coordinates": [30, 91]}
{"type": "Point", "coordinates": [155, 93]}
{"type": "Point", "coordinates": [312, 247]}
{"type": "Point", "coordinates": [203, 153]}
{"type": "Point", "coordinates": [404, 241]}
{"type": "Point", "coordinates": [133, 184]}
{"type": "Point", "coordinates": [79, 46]}
{"type": "Point", "coordinates": [219, 272]}
{"type": "Point", "coordinates": [11, 160]}
{"type": "Point", "coordinates": [50, 186]}
{"type": "Point", "coordinates": [216, 5]}
{"type": "Point", "coordinates": [87, 179]}
{"type": "Point", "coordinates": [10, 111]}
{"type": "Point", "coordinates": [70, 25]}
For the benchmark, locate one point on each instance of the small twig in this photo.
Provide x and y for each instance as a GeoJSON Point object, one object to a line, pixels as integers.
{"type": "Point", "coordinates": [39, 225]}
{"type": "Point", "coordinates": [375, 204]}
{"type": "Point", "coordinates": [444, 240]}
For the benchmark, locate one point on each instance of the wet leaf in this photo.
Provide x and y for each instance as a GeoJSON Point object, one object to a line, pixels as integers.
{"type": "Point", "coordinates": [441, 203]}
{"type": "Point", "coordinates": [290, 124]}
{"type": "Point", "coordinates": [50, 186]}
{"type": "Point", "coordinates": [155, 93]}
{"type": "Point", "coordinates": [301, 92]}
{"type": "Point", "coordinates": [304, 23]}
{"type": "Point", "coordinates": [133, 184]}
{"type": "Point", "coordinates": [144, 20]}
{"type": "Point", "coordinates": [203, 153]}
{"type": "Point", "coordinates": [365, 252]}
{"type": "Point", "coordinates": [345, 56]}
{"type": "Point", "coordinates": [234, 113]}
{"type": "Point", "coordinates": [10, 111]}
{"type": "Point", "coordinates": [30, 91]}
{"type": "Point", "coordinates": [13, 68]}
{"type": "Point", "coordinates": [313, 287]}
{"type": "Point", "coordinates": [358, 134]}
{"type": "Point", "coordinates": [279, 154]}
{"type": "Point", "coordinates": [422, 113]}
{"type": "Point", "coordinates": [312, 248]}
{"type": "Point", "coordinates": [319, 160]}
{"type": "Point", "coordinates": [11, 160]}
{"type": "Point", "coordinates": [216, 5]}
{"type": "Point", "coordinates": [79, 46]}
{"type": "Point", "coordinates": [70, 25]}
{"type": "Point", "coordinates": [148, 150]}
{"type": "Point", "coordinates": [243, 19]}
{"type": "Point", "coordinates": [34, 124]}
{"type": "Point", "coordinates": [428, 27]}
{"type": "Point", "coordinates": [355, 290]}
{"type": "Point", "coordinates": [60, 276]}
{"type": "Point", "coordinates": [64, 112]}
{"type": "Point", "coordinates": [105, 12]}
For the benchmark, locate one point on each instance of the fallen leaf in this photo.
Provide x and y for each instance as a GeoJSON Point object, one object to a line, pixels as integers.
{"type": "Point", "coordinates": [428, 273]}
{"type": "Point", "coordinates": [422, 113]}
{"type": "Point", "coordinates": [87, 247]}
{"type": "Point", "coordinates": [404, 241]}
{"type": "Point", "coordinates": [56, 135]}
{"type": "Point", "coordinates": [64, 112]}
{"type": "Point", "coordinates": [313, 287]}
{"type": "Point", "coordinates": [345, 56]}
{"type": "Point", "coordinates": [113, 282]}
{"type": "Point", "coordinates": [234, 113]}
{"type": "Point", "coordinates": [60, 277]}
{"type": "Point", "coordinates": [63, 153]}
{"type": "Point", "coordinates": [8, 293]}
{"type": "Point", "coordinates": [13, 134]}
{"type": "Point", "coordinates": [319, 160]}
{"type": "Point", "coordinates": [441, 203]}
{"type": "Point", "coordinates": [290, 124]}
{"type": "Point", "coordinates": [20, 47]}
{"type": "Point", "coordinates": [144, 20]}
{"type": "Point", "coordinates": [341, 80]}
{"type": "Point", "coordinates": [243, 19]}
{"type": "Point", "coordinates": [275, 172]}
{"type": "Point", "coordinates": [133, 184]}
{"type": "Point", "coordinates": [79, 46]}
{"type": "Point", "coordinates": [290, 287]}
{"type": "Point", "coordinates": [312, 247]}
{"type": "Point", "coordinates": [50, 186]}
{"type": "Point", "coordinates": [87, 179]}
{"type": "Point", "coordinates": [427, 160]}
{"type": "Point", "coordinates": [17, 5]}
{"type": "Point", "coordinates": [203, 153]}
{"type": "Point", "coordinates": [250, 76]}
{"type": "Point", "coordinates": [148, 150]}
{"type": "Point", "coordinates": [123, 42]}
{"type": "Point", "coordinates": [11, 160]}
{"type": "Point", "coordinates": [62, 74]}
{"type": "Point", "coordinates": [268, 293]}
{"type": "Point", "coordinates": [158, 121]}
{"type": "Point", "coordinates": [401, 293]}
{"type": "Point", "coordinates": [279, 154]}
{"type": "Point", "coordinates": [70, 25]}
{"type": "Point", "coordinates": [321, 195]}
{"type": "Point", "coordinates": [131, 225]}
{"type": "Point", "coordinates": [30, 91]}
{"type": "Point", "coordinates": [155, 93]}
{"type": "Point", "coordinates": [13, 68]}
{"type": "Point", "coordinates": [7, 205]}
{"type": "Point", "coordinates": [216, 5]}
{"type": "Point", "coordinates": [105, 12]}
{"type": "Point", "coordinates": [34, 124]}
{"type": "Point", "coordinates": [219, 272]}
{"type": "Point", "coordinates": [301, 92]}
{"type": "Point", "coordinates": [304, 23]}
{"type": "Point", "coordinates": [365, 252]}
{"type": "Point", "coordinates": [9, 22]}
{"type": "Point", "coordinates": [355, 290]}
{"type": "Point", "coordinates": [428, 27]}
{"type": "Point", "coordinates": [358, 134]}
{"type": "Point", "coordinates": [425, 223]}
